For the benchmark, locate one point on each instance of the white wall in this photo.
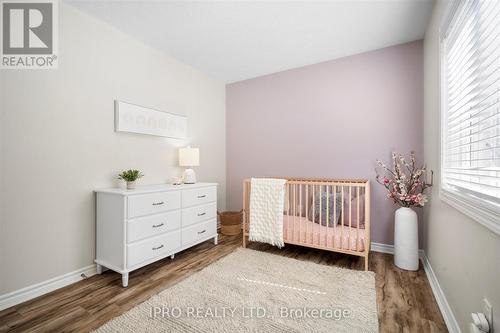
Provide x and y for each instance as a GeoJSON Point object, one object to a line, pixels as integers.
{"type": "Point", "coordinates": [58, 142]}
{"type": "Point", "coordinates": [464, 255]}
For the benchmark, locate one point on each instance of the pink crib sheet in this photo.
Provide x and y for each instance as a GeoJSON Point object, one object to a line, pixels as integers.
{"type": "Point", "coordinates": [315, 234]}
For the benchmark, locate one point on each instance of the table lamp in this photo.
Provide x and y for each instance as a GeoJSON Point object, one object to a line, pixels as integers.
{"type": "Point", "coordinates": [189, 157]}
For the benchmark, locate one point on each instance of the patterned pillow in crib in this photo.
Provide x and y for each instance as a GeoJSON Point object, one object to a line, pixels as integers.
{"type": "Point", "coordinates": [332, 211]}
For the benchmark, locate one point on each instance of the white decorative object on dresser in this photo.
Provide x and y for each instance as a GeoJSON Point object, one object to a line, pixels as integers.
{"type": "Point", "coordinates": [137, 227]}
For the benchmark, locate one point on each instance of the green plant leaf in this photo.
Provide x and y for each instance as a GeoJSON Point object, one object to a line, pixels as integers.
{"type": "Point", "coordinates": [130, 175]}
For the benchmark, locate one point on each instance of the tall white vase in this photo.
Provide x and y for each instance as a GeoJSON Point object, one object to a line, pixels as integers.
{"type": "Point", "coordinates": [406, 239]}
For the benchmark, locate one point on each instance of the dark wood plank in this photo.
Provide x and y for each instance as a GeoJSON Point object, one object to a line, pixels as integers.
{"type": "Point", "coordinates": [404, 299]}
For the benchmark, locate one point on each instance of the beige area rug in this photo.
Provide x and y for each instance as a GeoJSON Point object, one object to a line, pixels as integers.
{"type": "Point", "coordinates": [252, 291]}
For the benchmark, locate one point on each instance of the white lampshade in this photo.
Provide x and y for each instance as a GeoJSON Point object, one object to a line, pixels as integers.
{"type": "Point", "coordinates": [189, 157]}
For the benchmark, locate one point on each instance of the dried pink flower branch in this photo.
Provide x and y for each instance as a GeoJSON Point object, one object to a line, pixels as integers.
{"type": "Point", "coordinates": [405, 182]}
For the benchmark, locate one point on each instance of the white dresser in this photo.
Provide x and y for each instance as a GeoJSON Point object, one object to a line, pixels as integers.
{"type": "Point", "coordinates": [137, 227]}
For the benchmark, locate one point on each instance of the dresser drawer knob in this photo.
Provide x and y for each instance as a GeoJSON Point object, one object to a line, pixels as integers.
{"type": "Point", "coordinates": [201, 214]}
{"type": "Point", "coordinates": [158, 225]}
{"type": "Point", "coordinates": [158, 203]}
{"type": "Point", "coordinates": [158, 247]}
{"type": "Point", "coordinates": [202, 196]}
{"type": "Point", "coordinates": [201, 232]}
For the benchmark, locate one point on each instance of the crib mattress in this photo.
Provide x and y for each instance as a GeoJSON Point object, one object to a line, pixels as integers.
{"type": "Point", "coordinates": [299, 229]}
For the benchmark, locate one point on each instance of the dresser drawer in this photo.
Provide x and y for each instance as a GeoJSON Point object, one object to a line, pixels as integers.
{"type": "Point", "coordinates": [199, 213]}
{"type": "Point", "coordinates": [198, 231]}
{"type": "Point", "coordinates": [153, 225]}
{"type": "Point", "coordinates": [199, 196]}
{"type": "Point", "coordinates": [146, 204]}
{"type": "Point", "coordinates": [152, 247]}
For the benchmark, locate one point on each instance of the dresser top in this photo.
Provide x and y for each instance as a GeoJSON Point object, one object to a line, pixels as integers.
{"type": "Point", "coordinates": [153, 188]}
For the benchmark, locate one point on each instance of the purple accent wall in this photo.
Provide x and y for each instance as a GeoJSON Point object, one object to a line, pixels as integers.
{"type": "Point", "coordinates": [332, 119]}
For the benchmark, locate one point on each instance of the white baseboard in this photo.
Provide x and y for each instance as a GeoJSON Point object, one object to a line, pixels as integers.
{"type": "Point", "coordinates": [383, 248]}
{"type": "Point", "coordinates": [387, 248]}
{"type": "Point", "coordinates": [448, 316]}
{"type": "Point", "coordinates": [30, 292]}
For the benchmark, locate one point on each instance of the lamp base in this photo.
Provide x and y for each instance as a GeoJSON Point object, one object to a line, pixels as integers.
{"type": "Point", "coordinates": [189, 176]}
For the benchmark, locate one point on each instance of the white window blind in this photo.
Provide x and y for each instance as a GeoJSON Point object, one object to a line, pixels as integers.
{"type": "Point", "coordinates": [471, 107]}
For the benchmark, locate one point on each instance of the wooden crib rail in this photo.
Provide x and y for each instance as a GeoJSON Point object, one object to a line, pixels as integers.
{"type": "Point", "coordinates": [321, 181]}
{"type": "Point", "coordinates": [305, 226]}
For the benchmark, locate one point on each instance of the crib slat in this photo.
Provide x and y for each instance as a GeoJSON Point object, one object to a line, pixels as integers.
{"type": "Point", "coordinates": [249, 191]}
{"type": "Point", "coordinates": [307, 211]}
{"type": "Point", "coordinates": [327, 214]}
{"type": "Point", "coordinates": [313, 212]}
{"type": "Point", "coordinates": [290, 211]}
{"type": "Point", "coordinates": [294, 209]}
{"type": "Point", "coordinates": [357, 208]}
{"type": "Point", "coordinates": [335, 217]}
{"type": "Point", "coordinates": [320, 213]}
{"type": "Point", "coordinates": [247, 203]}
{"type": "Point", "coordinates": [350, 218]}
{"type": "Point", "coordinates": [342, 222]}
{"type": "Point", "coordinates": [300, 212]}
{"type": "Point", "coordinates": [245, 210]}
{"type": "Point", "coordinates": [367, 223]}
{"type": "Point", "coordinates": [287, 209]}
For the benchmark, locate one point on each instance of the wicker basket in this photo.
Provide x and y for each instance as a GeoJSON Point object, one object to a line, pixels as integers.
{"type": "Point", "coordinates": [230, 222]}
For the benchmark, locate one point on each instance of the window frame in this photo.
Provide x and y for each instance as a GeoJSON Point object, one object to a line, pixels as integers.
{"type": "Point", "coordinates": [472, 206]}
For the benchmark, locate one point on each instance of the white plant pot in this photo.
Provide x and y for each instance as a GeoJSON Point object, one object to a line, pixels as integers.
{"type": "Point", "coordinates": [406, 239]}
{"type": "Point", "coordinates": [130, 185]}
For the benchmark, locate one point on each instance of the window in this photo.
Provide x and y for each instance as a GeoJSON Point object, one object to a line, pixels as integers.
{"type": "Point", "coordinates": [470, 81]}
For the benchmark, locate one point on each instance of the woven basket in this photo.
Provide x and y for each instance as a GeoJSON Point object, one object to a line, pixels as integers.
{"type": "Point", "coordinates": [230, 222]}
{"type": "Point", "coordinates": [230, 230]}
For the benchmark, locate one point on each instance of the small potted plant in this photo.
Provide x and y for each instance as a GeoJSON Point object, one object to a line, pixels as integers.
{"type": "Point", "coordinates": [130, 176]}
{"type": "Point", "coordinates": [405, 183]}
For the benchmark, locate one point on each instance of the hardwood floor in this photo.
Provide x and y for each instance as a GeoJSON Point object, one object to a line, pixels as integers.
{"type": "Point", "coordinates": [404, 299]}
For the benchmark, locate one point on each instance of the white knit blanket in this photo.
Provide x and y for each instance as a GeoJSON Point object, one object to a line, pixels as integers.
{"type": "Point", "coordinates": [266, 210]}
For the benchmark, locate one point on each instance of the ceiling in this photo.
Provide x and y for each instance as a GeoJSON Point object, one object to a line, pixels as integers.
{"type": "Point", "coordinates": [237, 40]}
